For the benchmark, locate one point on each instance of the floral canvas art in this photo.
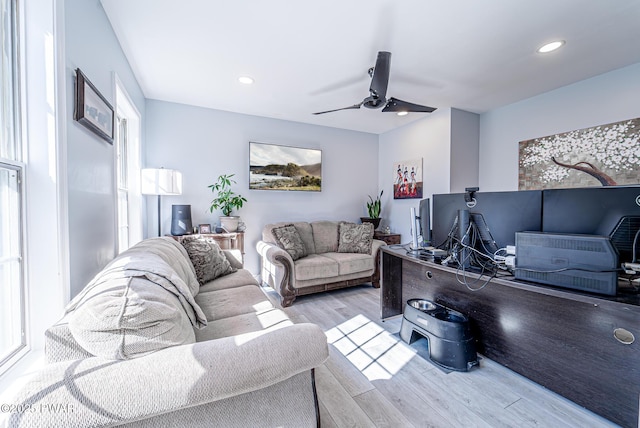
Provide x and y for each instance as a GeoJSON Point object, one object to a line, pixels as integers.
{"type": "Point", "coordinates": [605, 155]}
{"type": "Point", "coordinates": [407, 183]}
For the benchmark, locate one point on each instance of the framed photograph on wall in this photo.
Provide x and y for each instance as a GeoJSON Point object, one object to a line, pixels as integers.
{"type": "Point", "coordinates": [407, 182]}
{"type": "Point", "coordinates": [92, 109]}
{"type": "Point", "coordinates": [274, 167]}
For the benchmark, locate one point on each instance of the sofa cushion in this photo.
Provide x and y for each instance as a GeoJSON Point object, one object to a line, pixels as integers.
{"type": "Point", "coordinates": [239, 278]}
{"type": "Point", "coordinates": [268, 319]}
{"type": "Point", "coordinates": [288, 238]}
{"type": "Point", "coordinates": [352, 262]}
{"type": "Point", "coordinates": [233, 301]}
{"type": "Point", "coordinates": [325, 236]}
{"type": "Point", "coordinates": [207, 258]}
{"type": "Point", "coordinates": [316, 266]}
{"type": "Point", "coordinates": [355, 238]}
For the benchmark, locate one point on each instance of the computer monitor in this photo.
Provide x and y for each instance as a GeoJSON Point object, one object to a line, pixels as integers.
{"type": "Point", "coordinates": [496, 215]}
{"type": "Point", "coordinates": [421, 225]}
{"type": "Point", "coordinates": [607, 211]}
{"type": "Point", "coordinates": [424, 213]}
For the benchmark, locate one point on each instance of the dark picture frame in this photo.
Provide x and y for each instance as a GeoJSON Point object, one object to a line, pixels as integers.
{"type": "Point", "coordinates": [92, 109]}
{"type": "Point", "coordinates": [277, 167]}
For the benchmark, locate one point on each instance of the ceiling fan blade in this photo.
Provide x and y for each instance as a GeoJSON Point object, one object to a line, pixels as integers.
{"type": "Point", "coordinates": [380, 77]}
{"type": "Point", "coordinates": [355, 106]}
{"type": "Point", "coordinates": [396, 105]}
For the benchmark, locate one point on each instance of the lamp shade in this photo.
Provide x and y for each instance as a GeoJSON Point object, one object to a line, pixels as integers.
{"type": "Point", "coordinates": [160, 181]}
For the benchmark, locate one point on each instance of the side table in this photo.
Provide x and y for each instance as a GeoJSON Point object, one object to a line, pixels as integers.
{"type": "Point", "coordinates": [226, 241]}
{"type": "Point", "coordinates": [389, 238]}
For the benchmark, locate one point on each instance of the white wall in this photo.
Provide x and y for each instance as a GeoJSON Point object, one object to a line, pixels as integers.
{"type": "Point", "coordinates": [92, 46]}
{"type": "Point", "coordinates": [603, 99]}
{"type": "Point", "coordinates": [429, 139]}
{"type": "Point", "coordinates": [465, 135]}
{"type": "Point", "coordinates": [204, 143]}
{"type": "Point", "coordinates": [447, 142]}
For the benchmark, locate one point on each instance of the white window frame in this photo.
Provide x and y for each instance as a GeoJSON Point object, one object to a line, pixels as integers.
{"type": "Point", "coordinates": [126, 110]}
{"type": "Point", "coordinates": [14, 162]}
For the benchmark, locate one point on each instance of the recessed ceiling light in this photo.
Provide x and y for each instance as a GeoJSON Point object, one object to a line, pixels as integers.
{"type": "Point", "coordinates": [403, 113]}
{"type": "Point", "coordinates": [245, 79]}
{"type": "Point", "coordinates": [549, 47]}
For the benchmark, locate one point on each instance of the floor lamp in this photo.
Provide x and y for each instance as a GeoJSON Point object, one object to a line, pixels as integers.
{"type": "Point", "coordinates": [160, 181]}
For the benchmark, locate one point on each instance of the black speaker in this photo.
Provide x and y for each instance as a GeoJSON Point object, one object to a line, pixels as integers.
{"type": "Point", "coordinates": [181, 220]}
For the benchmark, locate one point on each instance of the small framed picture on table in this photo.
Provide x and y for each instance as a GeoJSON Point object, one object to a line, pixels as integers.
{"type": "Point", "coordinates": [204, 228]}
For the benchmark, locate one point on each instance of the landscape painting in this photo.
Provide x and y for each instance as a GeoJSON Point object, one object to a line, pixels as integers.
{"type": "Point", "coordinates": [275, 167]}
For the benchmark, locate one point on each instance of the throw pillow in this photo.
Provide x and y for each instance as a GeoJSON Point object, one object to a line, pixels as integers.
{"type": "Point", "coordinates": [355, 238]}
{"type": "Point", "coordinates": [208, 259]}
{"type": "Point", "coordinates": [288, 238]}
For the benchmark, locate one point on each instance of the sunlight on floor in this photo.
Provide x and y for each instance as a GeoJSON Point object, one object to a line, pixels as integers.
{"type": "Point", "coordinates": [374, 351]}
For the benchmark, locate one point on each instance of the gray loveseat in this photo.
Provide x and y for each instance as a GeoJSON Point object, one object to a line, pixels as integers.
{"type": "Point", "coordinates": [145, 345]}
{"type": "Point", "coordinates": [335, 255]}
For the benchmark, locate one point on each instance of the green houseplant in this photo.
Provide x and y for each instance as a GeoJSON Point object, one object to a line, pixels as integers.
{"type": "Point", "coordinates": [226, 200]}
{"type": "Point", "coordinates": [374, 207]}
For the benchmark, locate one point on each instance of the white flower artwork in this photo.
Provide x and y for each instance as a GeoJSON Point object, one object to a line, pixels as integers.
{"type": "Point", "coordinates": [606, 155]}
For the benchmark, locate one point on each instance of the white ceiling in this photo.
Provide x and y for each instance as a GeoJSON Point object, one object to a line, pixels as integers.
{"type": "Point", "coordinates": [308, 56]}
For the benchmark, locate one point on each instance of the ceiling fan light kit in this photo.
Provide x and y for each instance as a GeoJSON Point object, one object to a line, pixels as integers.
{"type": "Point", "coordinates": [378, 92]}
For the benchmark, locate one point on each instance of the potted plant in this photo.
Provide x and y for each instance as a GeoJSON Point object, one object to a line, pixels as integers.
{"type": "Point", "coordinates": [226, 200]}
{"type": "Point", "coordinates": [373, 208]}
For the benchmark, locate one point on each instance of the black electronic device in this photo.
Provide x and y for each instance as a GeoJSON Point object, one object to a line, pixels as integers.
{"type": "Point", "coordinates": [607, 211]}
{"type": "Point", "coordinates": [497, 217]}
{"type": "Point", "coordinates": [424, 213]}
{"type": "Point", "coordinates": [181, 220]}
{"type": "Point", "coordinates": [580, 262]}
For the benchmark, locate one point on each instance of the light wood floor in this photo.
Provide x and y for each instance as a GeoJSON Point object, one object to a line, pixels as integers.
{"type": "Point", "coordinates": [373, 379]}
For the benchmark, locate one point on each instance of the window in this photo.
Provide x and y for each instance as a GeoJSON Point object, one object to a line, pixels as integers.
{"type": "Point", "coordinates": [12, 314]}
{"type": "Point", "coordinates": [122, 169]}
{"type": "Point", "coordinates": [127, 160]}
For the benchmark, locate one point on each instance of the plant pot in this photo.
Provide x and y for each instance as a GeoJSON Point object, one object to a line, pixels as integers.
{"type": "Point", "coordinates": [375, 221]}
{"type": "Point", "coordinates": [230, 223]}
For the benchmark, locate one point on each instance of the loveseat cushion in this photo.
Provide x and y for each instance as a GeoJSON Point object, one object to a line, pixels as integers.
{"type": "Point", "coordinates": [288, 238]}
{"type": "Point", "coordinates": [355, 238]}
{"type": "Point", "coordinates": [207, 258]}
{"type": "Point", "coordinates": [316, 266]}
{"type": "Point", "coordinates": [352, 262]}
{"type": "Point", "coordinates": [325, 236]}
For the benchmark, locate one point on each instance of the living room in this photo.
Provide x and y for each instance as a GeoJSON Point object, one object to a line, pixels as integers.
{"type": "Point", "coordinates": [71, 205]}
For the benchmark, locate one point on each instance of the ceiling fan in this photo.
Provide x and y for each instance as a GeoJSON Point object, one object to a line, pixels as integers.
{"type": "Point", "coordinates": [378, 91]}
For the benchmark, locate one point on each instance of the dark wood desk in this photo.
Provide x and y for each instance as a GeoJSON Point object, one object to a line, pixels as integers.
{"type": "Point", "coordinates": [560, 339]}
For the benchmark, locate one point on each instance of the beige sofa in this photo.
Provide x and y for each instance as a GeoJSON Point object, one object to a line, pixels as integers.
{"type": "Point", "coordinates": [326, 264]}
{"type": "Point", "coordinates": [145, 345]}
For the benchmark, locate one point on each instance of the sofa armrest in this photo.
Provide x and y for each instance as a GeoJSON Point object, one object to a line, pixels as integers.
{"type": "Point", "coordinates": [99, 392]}
{"type": "Point", "coordinates": [278, 271]}
{"type": "Point", "coordinates": [375, 246]}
